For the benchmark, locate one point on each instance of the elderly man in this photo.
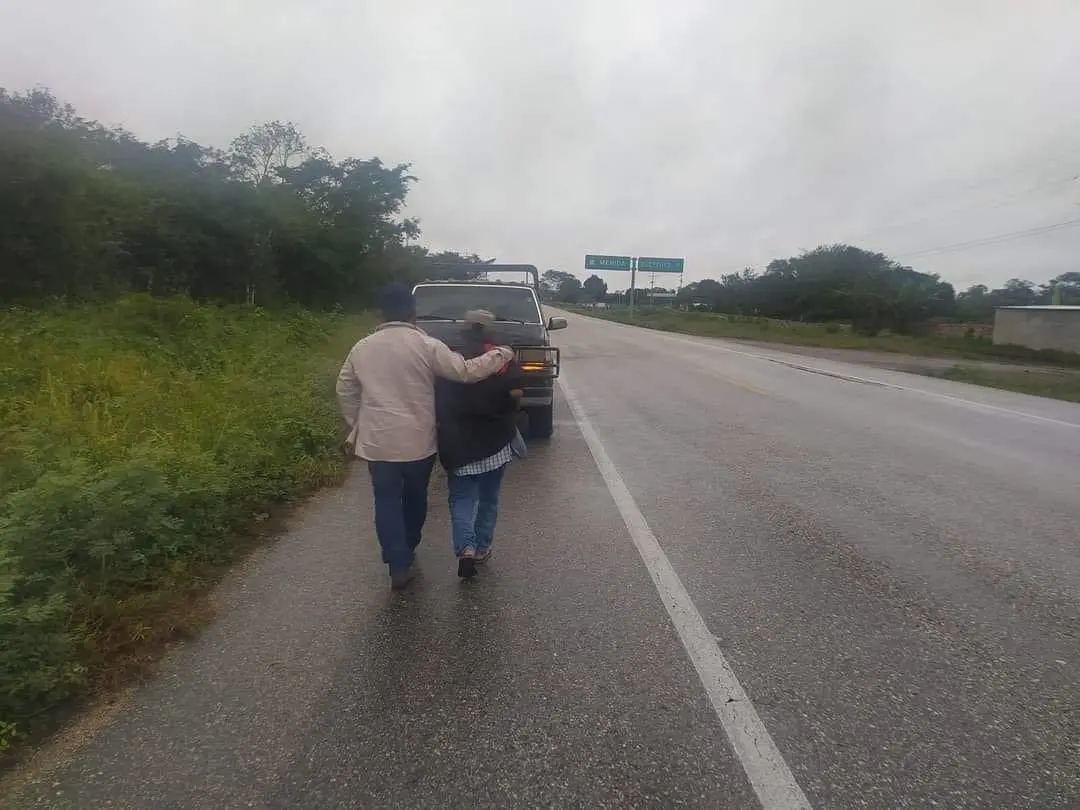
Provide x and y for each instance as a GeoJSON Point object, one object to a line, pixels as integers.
{"type": "Point", "coordinates": [386, 390]}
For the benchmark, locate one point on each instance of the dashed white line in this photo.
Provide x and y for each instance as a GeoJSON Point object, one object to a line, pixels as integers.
{"type": "Point", "coordinates": [761, 760]}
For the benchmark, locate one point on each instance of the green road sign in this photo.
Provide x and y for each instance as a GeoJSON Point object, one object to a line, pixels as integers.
{"type": "Point", "coordinates": [593, 262]}
{"type": "Point", "coordinates": [648, 264]}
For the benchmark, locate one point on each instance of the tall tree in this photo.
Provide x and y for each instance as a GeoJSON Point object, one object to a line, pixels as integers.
{"type": "Point", "coordinates": [1064, 289]}
{"type": "Point", "coordinates": [551, 279]}
{"type": "Point", "coordinates": [88, 211]}
{"type": "Point", "coordinates": [262, 153]}
{"type": "Point", "coordinates": [558, 285]}
{"type": "Point", "coordinates": [594, 288]}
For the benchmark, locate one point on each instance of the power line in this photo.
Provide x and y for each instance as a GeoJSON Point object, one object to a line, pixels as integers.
{"type": "Point", "coordinates": [1044, 162]}
{"type": "Point", "coordinates": [991, 240]}
{"type": "Point", "coordinates": [986, 202]}
{"type": "Point", "coordinates": [995, 203]}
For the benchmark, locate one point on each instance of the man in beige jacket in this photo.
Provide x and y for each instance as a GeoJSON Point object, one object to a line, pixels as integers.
{"type": "Point", "coordinates": [386, 390]}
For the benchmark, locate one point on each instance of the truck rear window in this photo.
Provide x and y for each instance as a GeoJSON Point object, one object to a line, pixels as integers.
{"type": "Point", "coordinates": [452, 302]}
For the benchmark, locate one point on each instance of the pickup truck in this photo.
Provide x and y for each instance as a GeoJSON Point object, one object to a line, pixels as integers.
{"type": "Point", "coordinates": [519, 323]}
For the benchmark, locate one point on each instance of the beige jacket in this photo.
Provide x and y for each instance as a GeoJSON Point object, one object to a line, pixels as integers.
{"type": "Point", "coordinates": [386, 390]}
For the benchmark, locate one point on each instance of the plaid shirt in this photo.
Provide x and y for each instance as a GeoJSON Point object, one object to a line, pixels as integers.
{"type": "Point", "coordinates": [516, 449]}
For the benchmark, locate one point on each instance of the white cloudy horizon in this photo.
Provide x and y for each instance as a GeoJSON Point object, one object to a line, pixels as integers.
{"type": "Point", "coordinates": [726, 132]}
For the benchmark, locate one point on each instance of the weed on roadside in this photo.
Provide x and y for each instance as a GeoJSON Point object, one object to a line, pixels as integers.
{"type": "Point", "coordinates": [136, 438]}
{"type": "Point", "coordinates": [1035, 382]}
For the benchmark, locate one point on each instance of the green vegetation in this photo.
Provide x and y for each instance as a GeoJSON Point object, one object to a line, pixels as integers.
{"type": "Point", "coordinates": [559, 285]}
{"type": "Point", "coordinates": [870, 291]}
{"type": "Point", "coordinates": [841, 284]}
{"type": "Point", "coordinates": [88, 212]}
{"type": "Point", "coordinates": [827, 335]}
{"type": "Point", "coordinates": [136, 439]}
{"type": "Point", "coordinates": [1038, 382]}
{"type": "Point", "coordinates": [172, 322]}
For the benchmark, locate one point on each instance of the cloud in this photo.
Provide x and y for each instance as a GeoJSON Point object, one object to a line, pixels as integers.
{"type": "Point", "coordinates": [726, 132]}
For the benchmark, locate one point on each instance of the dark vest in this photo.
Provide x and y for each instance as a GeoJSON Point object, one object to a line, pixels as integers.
{"type": "Point", "coordinates": [475, 420]}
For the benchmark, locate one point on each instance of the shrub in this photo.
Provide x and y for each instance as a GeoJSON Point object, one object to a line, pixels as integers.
{"type": "Point", "coordinates": [135, 439]}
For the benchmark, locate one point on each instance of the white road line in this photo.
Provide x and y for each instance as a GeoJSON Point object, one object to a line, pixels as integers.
{"type": "Point", "coordinates": [708, 343]}
{"type": "Point", "coordinates": [769, 775]}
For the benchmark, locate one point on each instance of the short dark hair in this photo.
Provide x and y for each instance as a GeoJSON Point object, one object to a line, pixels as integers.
{"type": "Point", "coordinates": [396, 303]}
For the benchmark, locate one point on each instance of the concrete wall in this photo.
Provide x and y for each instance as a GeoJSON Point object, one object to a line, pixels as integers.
{"type": "Point", "coordinates": [957, 331]}
{"type": "Point", "coordinates": [1039, 328]}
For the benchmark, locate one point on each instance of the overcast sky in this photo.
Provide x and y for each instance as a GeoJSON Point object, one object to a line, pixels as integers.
{"type": "Point", "coordinates": [726, 131]}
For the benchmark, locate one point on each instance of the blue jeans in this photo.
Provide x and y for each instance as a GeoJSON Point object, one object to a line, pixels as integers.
{"type": "Point", "coordinates": [401, 501]}
{"type": "Point", "coordinates": [474, 508]}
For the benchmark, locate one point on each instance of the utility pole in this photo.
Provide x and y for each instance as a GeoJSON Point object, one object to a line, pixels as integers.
{"type": "Point", "coordinates": [633, 276]}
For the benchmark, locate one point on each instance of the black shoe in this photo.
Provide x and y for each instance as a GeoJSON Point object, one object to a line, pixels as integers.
{"type": "Point", "coordinates": [466, 566]}
{"type": "Point", "coordinates": [401, 580]}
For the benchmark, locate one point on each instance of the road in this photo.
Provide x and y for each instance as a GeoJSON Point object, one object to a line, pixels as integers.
{"type": "Point", "coordinates": [727, 582]}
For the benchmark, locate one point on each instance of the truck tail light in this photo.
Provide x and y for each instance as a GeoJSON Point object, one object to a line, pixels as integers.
{"type": "Point", "coordinates": [533, 359]}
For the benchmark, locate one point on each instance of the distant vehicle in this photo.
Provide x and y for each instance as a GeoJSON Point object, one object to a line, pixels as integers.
{"type": "Point", "coordinates": [519, 323]}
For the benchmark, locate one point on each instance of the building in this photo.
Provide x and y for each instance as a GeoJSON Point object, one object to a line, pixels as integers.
{"type": "Point", "coordinates": [1039, 327]}
{"type": "Point", "coordinates": [660, 298]}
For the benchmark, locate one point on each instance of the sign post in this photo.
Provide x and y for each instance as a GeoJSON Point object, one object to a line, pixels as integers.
{"type": "Point", "coordinates": [654, 265]}
{"type": "Point", "coordinates": [649, 264]}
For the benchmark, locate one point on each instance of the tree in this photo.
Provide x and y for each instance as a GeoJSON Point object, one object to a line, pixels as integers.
{"type": "Point", "coordinates": [90, 211]}
{"type": "Point", "coordinates": [551, 280]}
{"type": "Point", "coordinates": [558, 285]}
{"type": "Point", "coordinates": [973, 305]}
{"type": "Point", "coordinates": [450, 264]}
{"type": "Point", "coordinates": [829, 283]}
{"type": "Point", "coordinates": [594, 288]}
{"type": "Point", "coordinates": [264, 152]}
{"type": "Point", "coordinates": [1063, 289]}
{"type": "Point", "coordinates": [569, 290]}
{"type": "Point", "coordinates": [87, 211]}
{"type": "Point", "coordinates": [1017, 293]}
{"type": "Point", "coordinates": [706, 293]}
{"type": "Point", "coordinates": [977, 303]}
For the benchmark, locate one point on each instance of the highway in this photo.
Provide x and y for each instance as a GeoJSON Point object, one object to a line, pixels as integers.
{"type": "Point", "coordinates": [735, 578]}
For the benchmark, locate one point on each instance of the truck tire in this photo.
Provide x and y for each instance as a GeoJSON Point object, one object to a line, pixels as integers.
{"type": "Point", "coordinates": [542, 422]}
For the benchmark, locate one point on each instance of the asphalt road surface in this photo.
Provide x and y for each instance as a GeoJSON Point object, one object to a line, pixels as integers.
{"type": "Point", "coordinates": [735, 578]}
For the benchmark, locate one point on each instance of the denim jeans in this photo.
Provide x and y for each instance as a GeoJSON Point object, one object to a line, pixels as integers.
{"type": "Point", "coordinates": [474, 508]}
{"type": "Point", "coordinates": [401, 502]}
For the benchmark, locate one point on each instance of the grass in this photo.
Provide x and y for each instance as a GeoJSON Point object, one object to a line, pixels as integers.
{"type": "Point", "coordinates": [831, 335]}
{"type": "Point", "coordinates": [138, 440]}
{"type": "Point", "coordinates": [1037, 382]}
